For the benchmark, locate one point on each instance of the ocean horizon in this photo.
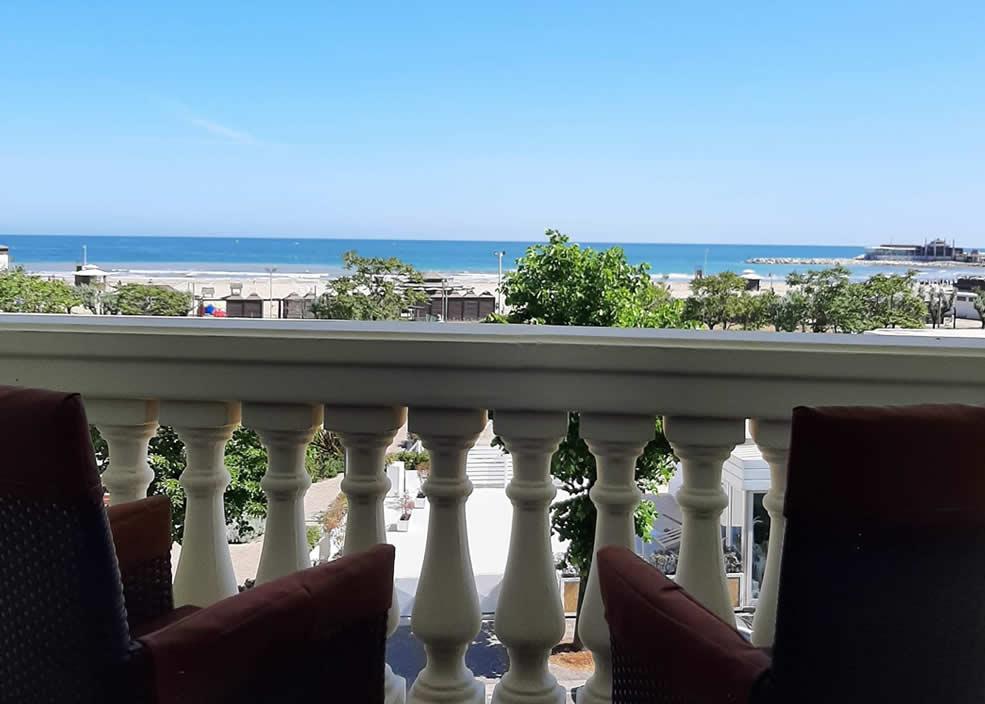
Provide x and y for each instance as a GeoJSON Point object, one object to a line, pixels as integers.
{"type": "Point", "coordinates": [161, 255]}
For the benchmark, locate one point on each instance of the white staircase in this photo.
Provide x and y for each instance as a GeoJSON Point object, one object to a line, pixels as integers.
{"type": "Point", "coordinates": [489, 467]}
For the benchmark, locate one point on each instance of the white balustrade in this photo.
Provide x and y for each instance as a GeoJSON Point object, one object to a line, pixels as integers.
{"type": "Point", "coordinates": [529, 615]}
{"type": "Point", "coordinates": [703, 445]}
{"type": "Point", "coordinates": [704, 383]}
{"type": "Point", "coordinates": [366, 433]}
{"type": "Point", "coordinates": [446, 608]}
{"type": "Point", "coordinates": [617, 441]}
{"type": "Point", "coordinates": [205, 570]}
{"type": "Point", "coordinates": [773, 439]}
{"type": "Point", "coordinates": [285, 431]}
{"type": "Point", "coordinates": [127, 426]}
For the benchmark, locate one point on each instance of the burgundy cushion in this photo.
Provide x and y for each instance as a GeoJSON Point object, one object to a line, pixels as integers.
{"type": "Point", "coordinates": [684, 647]}
{"type": "Point", "coordinates": [857, 465]}
{"type": "Point", "coordinates": [215, 651]}
{"type": "Point", "coordinates": [141, 530]}
{"type": "Point", "coordinates": [142, 537]}
{"type": "Point", "coordinates": [47, 450]}
{"type": "Point", "coordinates": [167, 619]}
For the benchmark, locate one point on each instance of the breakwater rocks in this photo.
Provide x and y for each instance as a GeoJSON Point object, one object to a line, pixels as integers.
{"type": "Point", "coordinates": [818, 261]}
{"type": "Point", "coordinates": [859, 261]}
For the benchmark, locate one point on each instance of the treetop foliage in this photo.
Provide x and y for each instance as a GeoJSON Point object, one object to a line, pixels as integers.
{"type": "Point", "coordinates": [146, 299]}
{"type": "Point", "coordinates": [374, 288]}
{"type": "Point", "coordinates": [21, 292]}
{"type": "Point", "coordinates": [560, 283]}
{"type": "Point", "coordinates": [824, 300]}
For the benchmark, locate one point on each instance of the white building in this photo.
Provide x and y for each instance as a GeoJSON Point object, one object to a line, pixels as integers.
{"type": "Point", "coordinates": [4, 257]}
{"type": "Point", "coordinates": [964, 305]}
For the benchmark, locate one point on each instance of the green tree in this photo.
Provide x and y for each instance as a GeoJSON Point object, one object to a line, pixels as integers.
{"type": "Point", "coordinates": [561, 283]}
{"type": "Point", "coordinates": [374, 289]}
{"type": "Point", "coordinates": [325, 457]}
{"type": "Point", "coordinates": [22, 293]}
{"type": "Point", "coordinates": [786, 313]}
{"type": "Point", "coordinates": [246, 504]}
{"type": "Point", "coordinates": [717, 300]}
{"type": "Point", "coordinates": [753, 310]}
{"type": "Point", "coordinates": [829, 300]}
{"type": "Point", "coordinates": [166, 456]}
{"type": "Point", "coordinates": [979, 303]}
{"type": "Point", "coordinates": [146, 299]}
{"type": "Point", "coordinates": [939, 301]}
{"type": "Point", "coordinates": [892, 301]}
{"type": "Point", "coordinates": [91, 297]}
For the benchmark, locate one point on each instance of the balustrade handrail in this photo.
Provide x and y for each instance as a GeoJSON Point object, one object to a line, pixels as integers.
{"type": "Point", "coordinates": [681, 372]}
{"type": "Point", "coordinates": [286, 378]}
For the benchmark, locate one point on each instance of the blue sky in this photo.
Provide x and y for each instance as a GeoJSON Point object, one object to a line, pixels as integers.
{"type": "Point", "coordinates": [840, 123]}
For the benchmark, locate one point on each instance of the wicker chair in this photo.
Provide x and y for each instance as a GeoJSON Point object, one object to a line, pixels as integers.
{"type": "Point", "coordinates": [881, 580]}
{"type": "Point", "coordinates": [86, 612]}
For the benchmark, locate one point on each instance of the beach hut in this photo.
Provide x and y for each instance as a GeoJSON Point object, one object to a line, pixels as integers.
{"type": "Point", "coordinates": [4, 257]}
{"type": "Point", "coordinates": [292, 306]}
{"type": "Point", "coordinates": [249, 307]}
{"type": "Point", "coordinates": [296, 307]}
{"type": "Point", "coordinates": [87, 274]}
{"type": "Point", "coordinates": [460, 308]}
{"type": "Point", "coordinates": [752, 279]}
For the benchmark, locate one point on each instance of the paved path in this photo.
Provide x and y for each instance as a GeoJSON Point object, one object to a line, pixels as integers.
{"type": "Point", "coordinates": [486, 657]}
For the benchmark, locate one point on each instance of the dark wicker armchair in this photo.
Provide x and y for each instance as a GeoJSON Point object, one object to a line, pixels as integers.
{"type": "Point", "coordinates": [881, 580]}
{"type": "Point", "coordinates": [84, 620]}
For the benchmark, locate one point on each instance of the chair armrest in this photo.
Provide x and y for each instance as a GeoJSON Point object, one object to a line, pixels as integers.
{"type": "Point", "coordinates": [142, 537]}
{"type": "Point", "coordinates": [316, 635]}
{"type": "Point", "coordinates": [665, 645]}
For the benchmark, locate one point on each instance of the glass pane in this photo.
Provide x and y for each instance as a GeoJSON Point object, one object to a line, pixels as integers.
{"type": "Point", "coordinates": [760, 540]}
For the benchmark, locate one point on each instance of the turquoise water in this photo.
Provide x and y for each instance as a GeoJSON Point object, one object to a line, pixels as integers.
{"type": "Point", "coordinates": [217, 254]}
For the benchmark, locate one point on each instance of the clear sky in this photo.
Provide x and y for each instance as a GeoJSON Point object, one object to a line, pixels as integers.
{"type": "Point", "coordinates": [800, 122]}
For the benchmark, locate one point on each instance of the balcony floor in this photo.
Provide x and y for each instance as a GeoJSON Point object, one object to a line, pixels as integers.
{"type": "Point", "coordinates": [486, 657]}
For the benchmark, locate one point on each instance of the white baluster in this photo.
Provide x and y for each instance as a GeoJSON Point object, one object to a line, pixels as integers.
{"type": "Point", "coordinates": [530, 616]}
{"type": "Point", "coordinates": [127, 426]}
{"type": "Point", "coordinates": [446, 609]}
{"type": "Point", "coordinates": [703, 445]}
{"type": "Point", "coordinates": [366, 433]}
{"type": "Point", "coordinates": [617, 441]}
{"type": "Point", "coordinates": [285, 431]}
{"type": "Point", "coordinates": [773, 439]}
{"type": "Point", "coordinates": [205, 571]}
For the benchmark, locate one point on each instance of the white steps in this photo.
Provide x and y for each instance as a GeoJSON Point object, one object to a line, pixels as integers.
{"type": "Point", "coordinates": [489, 467]}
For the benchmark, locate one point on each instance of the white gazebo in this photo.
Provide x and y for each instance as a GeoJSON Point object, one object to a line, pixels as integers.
{"type": "Point", "coordinates": [745, 481]}
{"type": "Point", "coordinates": [89, 274]}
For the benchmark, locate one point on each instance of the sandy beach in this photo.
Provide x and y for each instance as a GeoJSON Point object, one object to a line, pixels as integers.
{"type": "Point", "coordinates": [211, 285]}
{"type": "Point", "coordinates": [215, 286]}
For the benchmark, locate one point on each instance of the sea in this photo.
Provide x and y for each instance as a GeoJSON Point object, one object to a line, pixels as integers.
{"type": "Point", "coordinates": [161, 255]}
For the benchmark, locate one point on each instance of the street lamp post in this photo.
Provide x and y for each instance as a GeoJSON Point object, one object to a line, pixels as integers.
{"type": "Point", "coordinates": [499, 283]}
{"type": "Point", "coordinates": [270, 299]}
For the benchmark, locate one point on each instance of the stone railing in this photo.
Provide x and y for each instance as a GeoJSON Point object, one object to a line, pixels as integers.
{"type": "Point", "coordinates": [286, 378]}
